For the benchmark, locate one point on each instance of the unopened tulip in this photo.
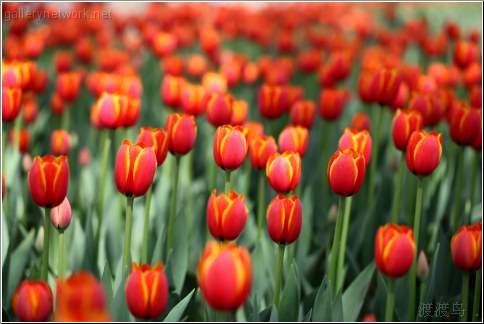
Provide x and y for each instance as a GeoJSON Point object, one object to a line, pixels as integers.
{"type": "Point", "coordinates": [273, 101]}
{"type": "Point", "coordinates": [346, 172]}
{"type": "Point", "coordinates": [193, 99]}
{"type": "Point", "coordinates": [284, 219]}
{"type": "Point", "coordinates": [68, 85]}
{"type": "Point", "coordinates": [164, 44]}
{"type": "Point", "coordinates": [56, 104]}
{"type": "Point", "coordinates": [30, 110]}
{"type": "Point", "coordinates": [224, 275]}
{"type": "Point", "coordinates": [109, 111]}
{"type": "Point", "coordinates": [61, 215]}
{"type": "Point", "coordinates": [240, 109]}
{"type": "Point", "coordinates": [260, 149]}
{"type": "Point", "coordinates": [226, 215]}
{"type": "Point", "coordinates": [466, 247]}
{"type": "Point", "coordinates": [171, 88]}
{"type": "Point", "coordinates": [464, 125]}
{"type": "Point", "coordinates": [361, 121]}
{"type": "Point", "coordinates": [11, 100]}
{"type": "Point", "coordinates": [422, 265]}
{"type": "Point", "coordinates": [332, 102]}
{"type": "Point", "coordinates": [360, 141]}
{"type": "Point", "coordinates": [284, 171]}
{"type": "Point", "coordinates": [295, 139]}
{"type": "Point", "coordinates": [423, 152]}
{"type": "Point", "coordinates": [303, 113]}
{"type": "Point", "coordinates": [135, 168]}
{"type": "Point", "coordinates": [60, 142]}
{"type": "Point", "coordinates": [147, 290]}
{"type": "Point", "coordinates": [394, 249]}
{"type": "Point", "coordinates": [404, 124]}
{"type": "Point", "coordinates": [214, 83]}
{"type": "Point", "coordinates": [182, 132]}
{"type": "Point", "coordinates": [156, 138]}
{"type": "Point", "coordinates": [32, 301]}
{"type": "Point", "coordinates": [230, 146]}
{"type": "Point", "coordinates": [465, 53]}
{"type": "Point", "coordinates": [219, 109]}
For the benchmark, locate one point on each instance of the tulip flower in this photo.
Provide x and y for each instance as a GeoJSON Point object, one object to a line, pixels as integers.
{"type": "Point", "coordinates": [295, 139]}
{"type": "Point", "coordinates": [182, 131]}
{"type": "Point", "coordinates": [81, 298]}
{"type": "Point", "coordinates": [466, 247]}
{"type": "Point", "coordinates": [260, 149]}
{"type": "Point", "coordinates": [164, 44]}
{"type": "Point", "coordinates": [360, 141]}
{"type": "Point", "coordinates": [273, 101]}
{"type": "Point", "coordinates": [405, 122]}
{"type": "Point", "coordinates": [250, 73]}
{"type": "Point", "coordinates": [219, 109]}
{"type": "Point", "coordinates": [56, 104]}
{"type": "Point", "coordinates": [284, 219]}
{"type": "Point", "coordinates": [402, 97]}
{"type": "Point", "coordinates": [68, 85]}
{"type": "Point", "coordinates": [428, 105]}
{"type": "Point", "coordinates": [423, 152]}
{"type": "Point", "coordinates": [255, 130]}
{"type": "Point", "coordinates": [30, 110]}
{"type": "Point", "coordinates": [464, 125]}
{"type": "Point", "coordinates": [284, 171]}
{"type": "Point", "coordinates": [240, 109]}
{"type": "Point", "coordinates": [230, 146]}
{"type": "Point", "coordinates": [303, 113]}
{"type": "Point", "coordinates": [109, 111]}
{"type": "Point", "coordinates": [332, 102]}
{"type": "Point", "coordinates": [147, 291]}
{"type": "Point", "coordinates": [172, 65]}
{"type": "Point", "coordinates": [23, 139]}
{"type": "Point", "coordinates": [32, 301]}
{"type": "Point", "coordinates": [224, 275]}
{"type": "Point", "coordinates": [381, 85]}
{"type": "Point", "coordinates": [171, 88]}
{"type": "Point", "coordinates": [61, 215]}
{"type": "Point", "coordinates": [11, 100]}
{"type": "Point", "coordinates": [361, 121]}
{"type": "Point", "coordinates": [193, 99]}
{"type": "Point", "coordinates": [156, 138]}
{"type": "Point", "coordinates": [226, 215]}
{"type": "Point", "coordinates": [12, 76]}
{"type": "Point", "coordinates": [196, 65]}
{"type": "Point", "coordinates": [465, 53]}
{"type": "Point", "coordinates": [214, 83]}
{"type": "Point", "coordinates": [346, 172]}
{"type": "Point", "coordinates": [60, 142]}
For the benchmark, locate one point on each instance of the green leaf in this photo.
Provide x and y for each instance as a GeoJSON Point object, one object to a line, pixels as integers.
{"type": "Point", "coordinates": [159, 247]}
{"type": "Point", "coordinates": [323, 304]}
{"type": "Point", "coordinates": [255, 310]}
{"type": "Point", "coordinates": [432, 279]}
{"type": "Point", "coordinates": [5, 239]}
{"type": "Point", "coordinates": [304, 242]}
{"type": "Point", "coordinates": [265, 314]}
{"type": "Point", "coordinates": [338, 308]}
{"type": "Point", "coordinates": [354, 295]}
{"type": "Point", "coordinates": [180, 253]}
{"type": "Point", "coordinates": [118, 307]}
{"type": "Point", "coordinates": [273, 317]}
{"type": "Point", "coordinates": [19, 259]}
{"type": "Point", "coordinates": [177, 312]}
{"type": "Point", "coordinates": [289, 303]}
{"type": "Point", "coordinates": [107, 282]}
{"type": "Point", "coordinates": [307, 318]}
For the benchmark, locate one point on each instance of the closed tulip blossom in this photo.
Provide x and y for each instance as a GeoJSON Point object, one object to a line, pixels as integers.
{"type": "Point", "coordinates": [423, 152]}
{"type": "Point", "coordinates": [284, 171]}
{"type": "Point", "coordinates": [156, 138]}
{"type": "Point", "coordinates": [230, 146]}
{"type": "Point", "coordinates": [466, 247]}
{"type": "Point", "coordinates": [68, 85]}
{"type": "Point", "coordinates": [240, 109]}
{"type": "Point", "coordinates": [361, 122]}
{"type": "Point", "coordinates": [295, 139]}
{"type": "Point", "coordinates": [219, 109]}
{"type": "Point", "coordinates": [32, 301]}
{"type": "Point", "coordinates": [405, 122]}
{"type": "Point", "coordinates": [273, 101]}
{"type": "Point", "coordinates": [61, 215]}
{"type": "Point", "coordinates": [226, 215]}
{"type": "Point", "coordinates": [260, 149]}
{"type": "Point", "coordinates": [135, 168]}
{"type": "Point", "coordinates": [193, 99]}
{"type": "Point", "coordinates": [11, 100]}
{"type": "Point", "coordinates": [303, 113]}
{"type": "Point", "coordinates": [182, 132]}
{"type": "Point", "coordinates": [360, 141]}
{"type": "Point", "coordinates": [346, 172]}
{"type": "Point", "coordinates": [146, 291]}
{"type": "Point", "coordinates": [60, 142]}
{"type": "Point", "coordinates": [224, 275]}
{"type": "Point", "coordinates": [284, 219]}
{"type": "Point", "coordinates": [171, 90]}
{"type": "Point", "coordinates": [394, 249]}
{"type": "Point", "coordinates": [464, 125]}
{"type": "Point", "coordinates": [332, 102]}
{"type": "Point", "coordinates": [109, 111]}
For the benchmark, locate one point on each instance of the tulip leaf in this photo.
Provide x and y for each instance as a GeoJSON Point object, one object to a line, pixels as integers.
{"type": "Point", "coordinates": [177, 312]}
{"type": "Point", "coordinates": [118, 306]}
{"type": "Point", "coordinates": [289, 303]}
{"type": "Point", "coordinates": [307, 317]}
{"type": "Point", "coordinates": [323, 303]}
{"type": "Point", "coordinates": [18, 261]}
{"type": "Point", "coordinates": [180, 253]}
{"type": "Point", "coordinates": [274, 317]}
{"type": "Point", "coordinates": [304, 241]}
{"type": "Point", "coordinates": [5, 239]}
{"type": "Point", "coordinates": [354, 295]}
{"type": "Point", "coordinates": [107, 283]}
{"type": "Point", "coordinates": [338, 308]}
{"type": "Point", "coordinates": [255, 310]}
{"type": "Point", "coordinates": [265, 314]}
{"type": "Point", "coordinates": [159, 247]}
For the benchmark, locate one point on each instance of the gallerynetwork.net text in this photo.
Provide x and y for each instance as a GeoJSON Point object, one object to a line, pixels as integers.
{"type": "Point", "coordinates": [57, 14]}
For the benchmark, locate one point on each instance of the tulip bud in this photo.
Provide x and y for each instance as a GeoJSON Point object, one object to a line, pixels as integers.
{"type": "Point", "coordinates": [346, 172]}
{"type": "Point", "coordinates": [56, 104]}
{"type": "Point", "coordinates": [156, 138]}
{"type": "Point", "coordinates": [361, 122]}
{"type": "Point", "coordinates": [224, 275]}
{"type": "Point", "coordinates": [464, 54]}
{"type": "Point", "coordinates": [182, 132]}
{"type": "Point", "coordinates": [61, 215]}
{"type": "Point", "coordinates": [226, 215]}
{"type": "Point", "coordinates": [48, 180]}
{"type": "Point", "coordinates": [60, 142]}
{"type": "Point", "coordinates": [219, 109]}
{"type": "Point", "coordinates": [131, 86]}
{"type": "Point", "coordinates": [477, 143]}
{"type": "Point", "coordinates": [475, 97]}
{"type": "Point", "coordinates": [11, 100]}
{"type": "Point", "coordinates": [369, 318]}
{"type": "Point", "coordinates": [214, 83]}
{"type": "Point", "coordinates": [12, 76]}
{"type": "Point", "coordinates": [63, 61]}
{"type": "Point", "coordinates": [172, 65]}
{"type": "Point", "coordinates": [284, 171]}
{"type": "Point", "coordinates": [193, 99]}
{"type": "Point", "coordinates": [30, 110]}
{"type": "Point", "coordinates": [303, 113]}
{"type": "Point", "coordinates": [132, 113]}
{"type": "Point", "coordinates": [84, 157]}
{"type": "Point", "coordinates": [147, 291]}
{"type": "Point", "coordinates": [196, 65]}
{"type": "Point", "coordinates": [135, 168]}
{"type": "Point", "coordinates": [404, 124]}
{"type": "Point", "coordinates": [466, 247]}
{"type": "Point", "coordinates": [240, 109]}
{"type": "Point", "coordinates": [428, 105]}
{"type": "Point", "coordinates": [284, 219]}
{"type": "Point", "coordinates": [68, 85]}
{"type": "Point", "coordinates": [23, 139]}
{"type": "Point", "coordinates": [250, 73]}
{"type": "Point", "coordinates": [332, 102]}
{"type": "Point", "coordinates": [360, 141]}
{"type": "Point", "coordinates": [381, 85]}
{"type": "Point", "coordinates": [273, 101]}
{"type": "Point", "coordinates": [260, 149]}
{"type": "Point", "coordinates": [394, 249]}
{"type": "Point", "coordinates": [32, 301]}
{"type": "Point", "coordinates": [109, 111]}
{"type": "Point", "coordinates": [333, 213]}
{"type": "Point", "coordinates": [164, 44]}
{"type": "Point", "coordinates": [295, 139]}
{"type": "Point", "coordinates": [171, 88]}
{"type": "Point", "coordinates": [464, 125]}
{"type": "Point", "coordinates": [423, 152]}
{"type": "Point", "coordinates": [230, 146]}
{"type": "Point", "coordinates": [422, 265]}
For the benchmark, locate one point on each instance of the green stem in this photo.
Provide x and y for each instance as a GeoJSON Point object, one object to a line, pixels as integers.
{"type": "Point", "coordinates": [45, 250]}
{"type": "Point", "coordinates": [396, 197]}
{"type": "Point", "coordinates": [66, 117]}
{"type": "Point", "coordinates": [61, 255]}
{"type": "Point", "coordinates": [477, 296]}
{"type": "Point", "coordinates": [278, 283]}
{"type": "Point", "coordinates": [261, 192]}
{"type": "Point", "coordinates": [465, 296]}
{"type": "Point", "coordinates": [127, 233]}
{"type": "Point", "coordinates": [144, 247]}
{"type": "Point", "coordinates": [247, 172]}
{"type": "Point", "coordinates": [374, 158]}
{"type": "Point", "coordinates": [171, 219]}
{"type": "Point", "coordinates": [213, 174]}
{"type": "Point", "coordinates": [475, 163]}
{"type": "Point", "coordinates": [342, 250]}
{"type": "Point", "coordinates": [336, 244]}
{"type": "Point", "coordinates": [458, 189]}
{"type": "Point", "coordinates": [416, 233]}
{"type": "Point", "coordinates": [102, 180]}
{"type": "Point", "coordinates": [390, 300]}
{"type": "Point", "coordinates": [4, 142]}
{"type": "Point", "coordinates": [227, 182]}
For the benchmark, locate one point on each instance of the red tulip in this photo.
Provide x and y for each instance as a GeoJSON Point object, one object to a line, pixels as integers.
{"type": "Point", "coordinates": [295, 139]}
{"type": "Point", "coordinates": [60, 142]}
{"type": "Point", "coordinates": [3, 185]}
{"type": "Point", "coordinates": [273, 101]}
{"type": "Point", "coordinates": [332, 102]}
{"type": "Point", "coordinates": [380, 86]}
{"type": "Point", "coordinates": [57, 104]}
{"type": "Point", "coordinates": [465, 53]}
{"type": "Point", "coordinates": [182, 132]}
{"type": "Point", "coordinates": [32, 301]}
{"type": "Point", "coordinates": [255, 129]}
{"type": "Point", "coordinates": [423, 152]}
{"type": "Point", "coordinates": [303, 113]}
{"type": "Point", "coordinates": [147, 290]}
{"type": "Point", "coordinates": [193, 99]}
{"type": "Point", "coordinates": [428, 105]}
{"type": "Point", "coordinates": [346, 172]}
{"type": "Point", "coordinates": [164, 44]}
{"type": "Point", "coordinates": [135, 168]}
{"type": "Point", "coordinates": [68, 85]}
{"type": "Point", "coordinates": [394, 249]}
{"type": "Point", "coordinates": [61, 215]}
{"type": "Point", "coordinates": [361, 121]}
{"type": "Point", "coordinates": [226, 215]}
{"type": "Point", "coordinates": [284, 171]}
{"type": "Point", "coordinates": [240, 109]}
{"type": "Point", "coordinates": [360, 141]}
{"type": "Point", "coordinates": [109, 111]}
{"type": "Point", "coordinates": [48, 180]}
{"type": "Point", "coordinates": [196, 65]}
{"type": "Point", "coordinates": [404, 124]}
{"type": "Point", "coordinates": [477, 143]}
{"type": "Point", "coordinates": [156, 138]}
{"type": "Point", "coordinates": [219, 109]}
{"type": "Point", "coordinates": [260, 149]}
{"type": "Point", "coordinates": [30, 110]}
{"type": "Point", "coordinates": [225, 275]}
{"type": "Point", "coordinates": [464, 125]}
{"type": "Point", "coordinates": [11, 100]}
{"type": "Point", "coordinates": [466, 247]}
{"type": "Point", "coordinates": [214, 83]}
{"type": "Point", "coordinates": [230, 146]}
{"type": "Point", "coordinates": [23, 139]}
{"type": "Point", "coordinates": [171, 88]}
{"type": "Point", "coordinates": [63, 61]}
{"type": "Point", "coordinates": [284, 219]}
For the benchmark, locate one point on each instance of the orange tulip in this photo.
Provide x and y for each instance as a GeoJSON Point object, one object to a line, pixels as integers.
{"type": "Point", "coordinates": [361, 121]}
{"type": "Point", "coordinates": [226, 215]}
{"type": "Point", "coordinates": [193, 99]}
{"type": "Point", "coordinates": [171, 88]}
{"type": "Point", "coordinates": [260, 149]}
{"type": "Point", "coordinates": [230, 146]}
{"type": "Point", "coordinates": [360, 141]}
{"type": "Point", "coordinates": [156, 138]}
{"type": "Point", "coordinates": [303, 113]}
{"type": "Point", "coordinates": [332, 102]}
{"type": "Point", "coordinates": [273, 101]}
{"type": "Point", "coordinates": [240, 109]}
{"type": "Point", "coordinates": [68, 85]}
{"type": "Point", "coordinates": [164, 44]}
{"type": "Point", "coordinates": [11, 100]}
{"type": "Point", "coordinates": [295, 139]}
{"type": "Point", "coordinates": [60, 142]}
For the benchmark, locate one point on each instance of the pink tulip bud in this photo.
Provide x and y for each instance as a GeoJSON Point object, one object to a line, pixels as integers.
{"type": "Point", "coordinates": [26, 162]}
{"type": "Point", "coordinates": [84, 157]}
{"type": "Point", "coordinates": [61, 215]}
